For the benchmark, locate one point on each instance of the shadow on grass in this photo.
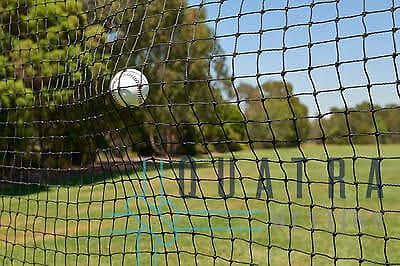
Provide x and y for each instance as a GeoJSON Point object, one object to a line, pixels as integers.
{"type": "Point", "coordinates": [25, 182]}
{"type": "Point", "coordinates": [10, 189]}
{"type": "Point", "coordinates": [85, 178]}
{"type": "Point", "coordinates": [111, 171]}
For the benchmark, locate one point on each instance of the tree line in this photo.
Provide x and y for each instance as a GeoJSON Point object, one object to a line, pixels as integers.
{"type": "Point", "coordinates": [56, 111]}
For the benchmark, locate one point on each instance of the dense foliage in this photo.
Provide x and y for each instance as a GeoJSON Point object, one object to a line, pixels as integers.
{"type": "Point", "coordinates": [362, 124]}
{"type": "Point", "coordinates": [51, 66]}
{"type": "Point", "coordinates": [174, 48]}
{"type": "Point", "coordinates": [55, 109]}
{"type": "Point", "coordinates": [279, 118]}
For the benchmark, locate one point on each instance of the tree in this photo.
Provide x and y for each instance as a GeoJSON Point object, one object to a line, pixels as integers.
{"type": "Point", "coordinates": [173, 46]}
{"type": "Point", "coordinates": [389, 117]}
{"type": "Point", "coordinates": [52, 66]}
{"type": "Point", "coordinates": [361, 123]}
{"type": "Point", "coordinates": [275, 116]}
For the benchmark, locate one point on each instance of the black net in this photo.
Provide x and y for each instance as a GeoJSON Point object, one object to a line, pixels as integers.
{"type": "Point", "coordinates": [268, 136]}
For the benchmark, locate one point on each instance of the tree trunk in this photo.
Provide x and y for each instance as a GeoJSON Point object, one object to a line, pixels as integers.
{"type": "Point", "coordinates": [154, 146]}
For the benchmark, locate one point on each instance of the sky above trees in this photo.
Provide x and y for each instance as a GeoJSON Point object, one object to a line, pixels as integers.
{"type": "Point", "coordinates": [379, 46]}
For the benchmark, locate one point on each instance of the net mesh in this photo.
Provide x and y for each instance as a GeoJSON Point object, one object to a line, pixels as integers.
{"type": "Point", "coordinates": [268, 136]}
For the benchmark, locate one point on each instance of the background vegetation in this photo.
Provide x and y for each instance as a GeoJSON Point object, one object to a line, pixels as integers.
{"type": "Point", "coordinates": [56, 111]}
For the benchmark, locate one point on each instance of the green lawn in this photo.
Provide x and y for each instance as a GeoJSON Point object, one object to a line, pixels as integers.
{"type": "Point", "coordinates": [89, 224]}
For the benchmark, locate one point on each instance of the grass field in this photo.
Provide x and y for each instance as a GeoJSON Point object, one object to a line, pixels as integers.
{"type": "Point", "coordinates": [89, 223]}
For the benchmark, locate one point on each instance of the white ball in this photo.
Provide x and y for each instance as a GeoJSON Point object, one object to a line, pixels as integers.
{"type": "Point", "coordinates": [129, 87]}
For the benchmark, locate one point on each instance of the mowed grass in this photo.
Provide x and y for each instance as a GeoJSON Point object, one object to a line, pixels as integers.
{"type": "Point", "coordinates": [105, 223]}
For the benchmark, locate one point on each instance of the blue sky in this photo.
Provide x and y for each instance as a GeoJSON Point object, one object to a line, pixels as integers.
{"type": "Point", "coordinates": [325, 78]}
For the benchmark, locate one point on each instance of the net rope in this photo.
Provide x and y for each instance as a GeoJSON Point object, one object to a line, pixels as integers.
{"type": "Point", "coordinates": [269, 136]}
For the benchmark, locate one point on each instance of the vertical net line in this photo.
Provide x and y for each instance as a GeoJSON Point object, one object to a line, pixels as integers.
{"type": "Point", "coordinates": [319, 116]}
{"type": "Point", "coordinates": [372, 109]}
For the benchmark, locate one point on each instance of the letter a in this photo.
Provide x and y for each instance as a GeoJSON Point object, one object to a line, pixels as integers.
{"type": "Point", "coordinates": [267, 187]}
{"type": "Point", "coordinates": [375, 169]}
